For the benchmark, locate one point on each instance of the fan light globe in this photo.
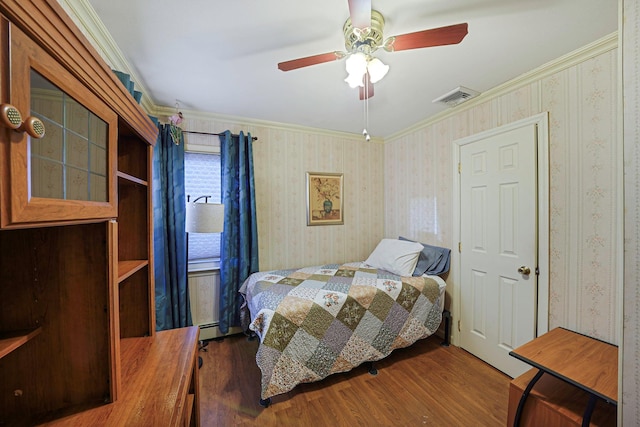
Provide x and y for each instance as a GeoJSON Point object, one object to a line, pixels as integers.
{"type": "Point", "coordinates": [356, 66]}
{"type": "Point", "coordinates": [356, 63]}
{"type": "Point", "coordinates": [377, 70]}
{"type": "Point", "coordinates": [354, 81]}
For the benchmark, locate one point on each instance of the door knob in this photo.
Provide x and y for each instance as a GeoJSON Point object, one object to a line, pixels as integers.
{"type": "Point", "coordinates": [524, 270]}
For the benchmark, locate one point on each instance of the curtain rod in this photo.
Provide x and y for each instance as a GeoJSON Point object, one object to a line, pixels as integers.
{"type": "Point", "coordinates": [253, 138]}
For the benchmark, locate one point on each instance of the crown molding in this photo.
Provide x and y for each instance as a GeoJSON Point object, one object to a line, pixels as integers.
{"type": "Point", "coordinates": [94, 29]}
{"type": "Point", "coordinates": [88, 21]}
{"type": "Point", "coordinates": [162, 113]}
{"type": "Point", "coordinates": [598, 47]}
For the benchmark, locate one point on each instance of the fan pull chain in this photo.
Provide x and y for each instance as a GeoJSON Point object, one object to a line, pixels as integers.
{"type": "Point", "coordinates": [367, 137]}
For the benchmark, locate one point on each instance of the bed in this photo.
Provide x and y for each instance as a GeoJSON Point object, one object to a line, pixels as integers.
{"type": "Point", "coordinates": [319, 320]}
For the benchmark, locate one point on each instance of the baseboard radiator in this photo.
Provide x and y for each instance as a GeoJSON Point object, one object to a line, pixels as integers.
{"type": "Point", "coordinates": [204, 294]}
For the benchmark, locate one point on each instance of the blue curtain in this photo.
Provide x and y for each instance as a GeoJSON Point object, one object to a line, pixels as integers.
{"type": "Point", "coordinates": [129, 85]}
{"type": "Point", "coordinates": [169, 237]}
{"type": "Point", "coordinates": [239, 251]}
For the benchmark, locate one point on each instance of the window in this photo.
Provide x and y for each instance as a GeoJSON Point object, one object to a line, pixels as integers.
{"type": "Point", "coordinates": [202, 178]}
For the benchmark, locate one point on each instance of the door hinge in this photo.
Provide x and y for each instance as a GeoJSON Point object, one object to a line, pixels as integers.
{"type": "Point", "coordinates": [459, 167]}
{"type": "Point", "coordinates": [459, 247]}
{"type": "Point", "coordinates": [458, 326]}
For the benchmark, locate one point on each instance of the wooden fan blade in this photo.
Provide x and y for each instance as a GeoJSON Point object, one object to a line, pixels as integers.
{"type": "Point", "coordinates": [452, 34]}
{"type": "Point", "coordinates": [360, 12]}
{"type": "Point", "coordinates": [366, 94]}
{"type": "Point", "coordinates": [310, 60]}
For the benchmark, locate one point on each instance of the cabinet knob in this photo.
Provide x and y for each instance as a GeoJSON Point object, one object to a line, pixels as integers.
{"type": "Point", "coordinates": [33, 126]}
{"type": "Point", "coordinates": [10, 116]}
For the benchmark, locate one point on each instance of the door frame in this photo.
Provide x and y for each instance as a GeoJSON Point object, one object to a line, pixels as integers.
{"type": "Point", "coordinates": [542, 184]}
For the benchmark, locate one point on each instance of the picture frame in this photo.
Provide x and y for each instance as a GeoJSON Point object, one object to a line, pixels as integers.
{"type": "Point", "coordinates": [325, 198]}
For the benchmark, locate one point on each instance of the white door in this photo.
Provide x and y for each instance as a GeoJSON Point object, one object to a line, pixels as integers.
{"type": "Point", "coordinates": [498, 230]}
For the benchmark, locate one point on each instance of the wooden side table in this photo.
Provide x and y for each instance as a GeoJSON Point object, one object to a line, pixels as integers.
{"type": "Point", "coordinates": [585, 362]}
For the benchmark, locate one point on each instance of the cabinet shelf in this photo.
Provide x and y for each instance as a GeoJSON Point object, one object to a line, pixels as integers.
{"type": "Point", "coordinates": [129, 267]}
{"type": "Point", "coordinates": [131, 178]}
{"type": "Point", "coordinates": [9, 341]}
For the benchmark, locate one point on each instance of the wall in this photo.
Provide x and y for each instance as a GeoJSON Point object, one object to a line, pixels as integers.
{"type": "Point", "coordinates": [580, 94]}
{"type": "Point", "coordinates": [579, 91]}
{"type": "Point", "coordinates": [585, 207]}
{"type": "Point", "coordinates": [282, 157]}
{"type": "Point", "coordinates": [631, 339]}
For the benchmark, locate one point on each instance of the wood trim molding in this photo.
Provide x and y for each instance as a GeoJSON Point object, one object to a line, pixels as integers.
{"type": "Point", "coordinates": [46, 22]}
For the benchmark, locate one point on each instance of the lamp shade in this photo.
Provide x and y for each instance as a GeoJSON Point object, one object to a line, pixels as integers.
{"type": "Point", "coordinates": [205, 218]}
{"type": "Point", "coordinates": [356, 66]}
{"type": "Point", "coordinates": [377, 70]}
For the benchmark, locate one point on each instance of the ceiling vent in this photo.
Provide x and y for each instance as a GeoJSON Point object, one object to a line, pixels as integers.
{"type": "Point", "coordinates": [456, 96]}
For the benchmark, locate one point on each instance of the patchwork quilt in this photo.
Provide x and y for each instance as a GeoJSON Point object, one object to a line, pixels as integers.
{"type": "Point", "coordinates": [316, 321]}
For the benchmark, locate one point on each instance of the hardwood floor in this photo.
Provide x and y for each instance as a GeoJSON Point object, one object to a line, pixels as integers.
{"type": "Point", "coordinates": [425, 384]}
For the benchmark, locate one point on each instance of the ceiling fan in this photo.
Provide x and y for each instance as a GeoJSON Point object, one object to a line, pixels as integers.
{"type": "Point", "coordinates": [363, 34]}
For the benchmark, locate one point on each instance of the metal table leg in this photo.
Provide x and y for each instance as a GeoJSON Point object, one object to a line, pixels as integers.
{"type": "Point", "coordinates": [586, 418]}
{"type": "Point", "coordinates": [523, 398]}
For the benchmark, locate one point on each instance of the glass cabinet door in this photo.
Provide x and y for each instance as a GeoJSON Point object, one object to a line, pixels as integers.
{"type": "Point", "coordinates": [69, 173]}
{"type": "Point", "coordinates": [70, 161]}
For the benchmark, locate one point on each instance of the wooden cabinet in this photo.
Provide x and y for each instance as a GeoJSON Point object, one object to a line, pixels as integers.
{"type": "Point", "coordinates": [56, 343]}
{"type": "Point", "coordinates": [69, 173]}
{"type": "Point", "coordinates": [135, 264]}
{"type": "Point", "coordinates": [77, 312]}
{"type": "Point", "coordinates": [160, 376]}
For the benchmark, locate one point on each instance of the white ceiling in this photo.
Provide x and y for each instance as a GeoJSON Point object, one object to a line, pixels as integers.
{"type": "Point", "coordinates": [221, 56]}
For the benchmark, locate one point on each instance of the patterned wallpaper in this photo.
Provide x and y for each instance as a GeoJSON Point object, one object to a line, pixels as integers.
{"type": "Point", "coordinates": [404, 186]}
{"type": "Point", "coordinates": [584, 151]}
{"type": "Point", "coordinates": [411, 176]}
{"type": "Point", "coordinates": [631, 338]}
{"type": "Point", "coordinates": [282, 157]}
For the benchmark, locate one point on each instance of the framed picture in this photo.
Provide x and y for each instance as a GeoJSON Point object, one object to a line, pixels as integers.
{"type": "Point", "coordinates": [324, 199]}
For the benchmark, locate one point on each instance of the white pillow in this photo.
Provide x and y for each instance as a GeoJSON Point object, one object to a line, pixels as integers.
{"type": "Point", "coordinates": [396, 256]}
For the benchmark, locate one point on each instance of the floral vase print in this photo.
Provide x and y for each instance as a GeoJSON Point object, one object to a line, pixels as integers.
{"type": "Point", "coordinates": [325, 199]}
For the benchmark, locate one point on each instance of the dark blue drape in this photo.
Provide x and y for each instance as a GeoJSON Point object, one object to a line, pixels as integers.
{"type": "Point", "coordinates": [239, 251]}
{"type": "Point", "coordinates": [169, 237]}
{"type": "Point", "coordinates": [129, 85]}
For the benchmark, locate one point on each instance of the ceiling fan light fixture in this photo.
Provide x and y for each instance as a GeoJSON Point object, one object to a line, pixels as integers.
{"type": "Point", "coordinates": [356, 66]}
{"type": "Point", "coordinates": [377, 70]}
{"type": "Point", "coordinates": [354, 81]}
{"type": "Point", "coordinates": [363, 35]}
{"type": "Point", "coordinates": [356, 63]}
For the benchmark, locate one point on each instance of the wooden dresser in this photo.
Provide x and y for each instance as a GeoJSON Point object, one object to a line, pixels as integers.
{"type": "Point", "coordinates": [77, 309]}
